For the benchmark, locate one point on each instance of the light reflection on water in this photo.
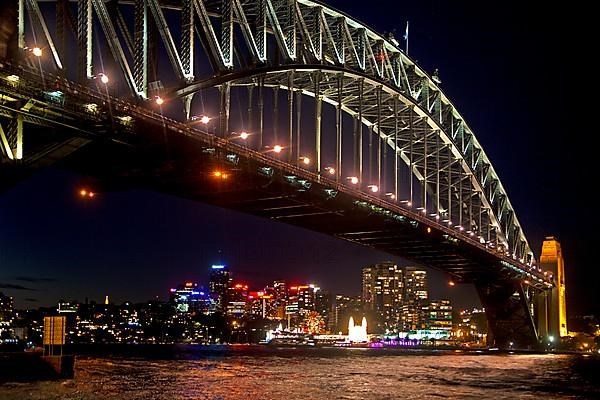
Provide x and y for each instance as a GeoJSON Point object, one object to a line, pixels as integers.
{"type": "Point", "coordinates": [252, 373]}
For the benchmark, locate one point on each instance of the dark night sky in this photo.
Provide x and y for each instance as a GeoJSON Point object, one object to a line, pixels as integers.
{"type": "Point", "coordinates": [515, 72]}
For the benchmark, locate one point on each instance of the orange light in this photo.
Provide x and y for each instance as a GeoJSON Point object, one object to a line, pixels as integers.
{"type": "Point", "coordinates": [83, 192]}
{"type": "Point", "coordinates": [217, 174]}
{"type": "Point", "coordinates": [188, 284]}
{"type": "Point", "coordinates": [159, 100]}
{"type": "Point", "coordinates": [451, 283]}
{"type": "Point", "coordinates": [428, 229]}
{"type": "Point", "coordinates": [294, 288]}
{"type": "Point", "coordinates": [91, 194]}
{"type": "Point", "coordinates": [277, 148]}
{"type": "Point", "coordinates": [244, 135]}
{"type": "Point", "coordinates": [37, 51]}
{"type": "Point", "coordinates": [224, 176]}
{"type": "Point", "coordinates": [238, 286]}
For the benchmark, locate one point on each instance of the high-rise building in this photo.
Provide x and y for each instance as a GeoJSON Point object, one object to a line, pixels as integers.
{"type": "Point", "coordinates": [7, 313]}
{"type": "Point", "coordinates": [553, 311]}
{"type": "Point", "coordinates": [261, 304]}
{"type": "Point", "coordinates": [344, 308]}
{"type": "Point", "coordinates": [414, 298]}
{"type": "Point", "coordinates": [237, 298]}
{"type": "Point", "coordinates": [323, 306]}
{"type": "Point", "coordinates": [382, 285]}
{"type": "Point", "coordinates": [218, 286]}
{"type": "Point", "coordinates": [189, 298]}
{"type": "Point", "coordinates": [438, 315]}
{"type": "Point", "coordinates": [306, 298]}
{"type": "Point", "coordinates": [280, 290]}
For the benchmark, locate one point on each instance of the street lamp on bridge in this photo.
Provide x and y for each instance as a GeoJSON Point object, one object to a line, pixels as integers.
{"type": "Point", "coordinates": [102, 77]}
{"type": "Point", "coordinates": [36, 50]}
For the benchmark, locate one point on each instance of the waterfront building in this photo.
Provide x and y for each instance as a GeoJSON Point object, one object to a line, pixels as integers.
{"type": "Point", "coordinates": [438, 315]}
{"type": "Point", "coordinates": [219, 284]}
{"type": "Point", "coordinates": [470, 326]}
{"type": "Point", "coordinates": [382, 289]}
{"type": "Point", "coordinates": [415, 294]}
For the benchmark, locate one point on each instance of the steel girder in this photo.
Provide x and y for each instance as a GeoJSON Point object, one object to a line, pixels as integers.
{"type": "Point", "coordinates": [426, 132]}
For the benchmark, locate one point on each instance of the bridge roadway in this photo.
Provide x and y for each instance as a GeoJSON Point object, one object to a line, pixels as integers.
{"type": "Point", "coordinates": [146, 149]}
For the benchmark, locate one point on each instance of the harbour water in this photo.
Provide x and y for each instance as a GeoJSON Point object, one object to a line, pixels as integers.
{"type": "Point", "coordinates": [261, 372]}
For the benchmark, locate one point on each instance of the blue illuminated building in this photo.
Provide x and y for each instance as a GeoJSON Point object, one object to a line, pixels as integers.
{"type": "Point", "coordinates": [190, 299]}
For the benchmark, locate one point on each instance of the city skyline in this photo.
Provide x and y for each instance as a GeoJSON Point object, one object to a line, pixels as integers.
{"type": "Point", "coordinates": [143, 238]}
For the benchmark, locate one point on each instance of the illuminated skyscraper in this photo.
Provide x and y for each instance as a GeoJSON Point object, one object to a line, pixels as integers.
{"type": "Point", "coordinates": [415, 296]}
{"type": "Point", "coordinates": [189, 298]}
{"type": "Point", "coordinates": [553, 312]}
{"type": "Point", "coordinates": [7, 312]}
{"type": "Point", "coordinates": [237, 298]}
{"type": "Point", "coordinates": [220, 281]}
{"type": "Point", "coordinates": [382, 294]}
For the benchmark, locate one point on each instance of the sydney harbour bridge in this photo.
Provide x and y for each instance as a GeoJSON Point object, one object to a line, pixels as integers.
{"type": "Point", "coordinates": [286, 109]}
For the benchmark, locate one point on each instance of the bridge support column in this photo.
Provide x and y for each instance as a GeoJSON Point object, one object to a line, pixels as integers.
{"type": "Point", "coordinates": [509, 316]}
{"type": "Point", "coordinates": [224, 112]}
{"type": "Point", "coordinates": [11, 139]}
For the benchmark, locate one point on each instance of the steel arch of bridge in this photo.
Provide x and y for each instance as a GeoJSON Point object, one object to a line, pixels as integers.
{"type": "Point", "coordinates": [308, 48]}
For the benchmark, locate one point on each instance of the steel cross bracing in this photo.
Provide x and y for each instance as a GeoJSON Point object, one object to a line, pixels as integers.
{"type": "Point", "coordinates": [313, 50]}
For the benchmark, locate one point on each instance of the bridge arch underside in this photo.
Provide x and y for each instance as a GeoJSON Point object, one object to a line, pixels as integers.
{"type": "Point", "coordinates": [343, 121]}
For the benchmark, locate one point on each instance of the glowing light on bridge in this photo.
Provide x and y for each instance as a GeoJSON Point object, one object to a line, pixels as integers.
{"type": "Point", "coordinates": [277, 148]}
{"type": "Point", "coordinates": [13, 78]}
{"type": "Point", "coordinates": [353, 180]}
{"type": "Point", "coordinates": [244, 135]}
{"type": "Point", "coordinates": [86, 193]}
{"type": "Point", "coordinates": [159, 100]}
{"type": "Point", "coordinates": [373, 188]}
{"type": "Point", "coordinates": [392, 196]}
{"type": "Point", "coordinates": [305, 160]}
{"type": "Point", "coordinates": [330, 170]}
{"type": "Point", "coordinates": [220, 174]}
{"type": "Point", "coordinates": [205, 119]}
{"type": "Point", "coordinates": [451, 283]}
{"type": "Point", "coordinates": [103, 78]}
{"type": "Point", "coordinates": [37, 51]}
